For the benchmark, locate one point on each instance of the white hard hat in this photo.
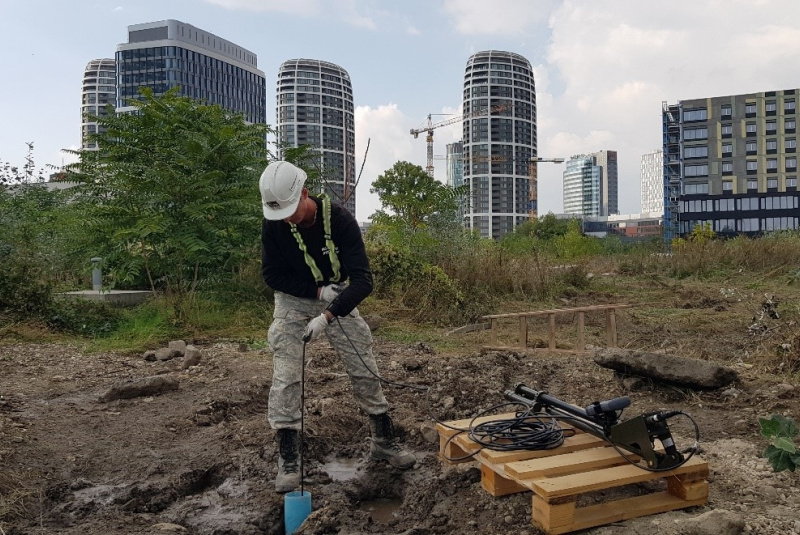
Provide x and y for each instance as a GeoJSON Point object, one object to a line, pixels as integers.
{"type": "Point", "coordinates": [281, 186]}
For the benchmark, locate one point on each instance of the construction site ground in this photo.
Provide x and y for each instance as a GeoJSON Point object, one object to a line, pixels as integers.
{"type": "Point", "coordinates": [201, 458]}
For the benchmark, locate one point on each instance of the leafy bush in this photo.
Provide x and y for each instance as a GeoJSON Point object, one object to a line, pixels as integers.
{"type": "Point", "coordinates": [80, 316]}
{"type": "Point", "coordinates": [24, 291]}
{"type": "Point", "coordinates": [782, 451]}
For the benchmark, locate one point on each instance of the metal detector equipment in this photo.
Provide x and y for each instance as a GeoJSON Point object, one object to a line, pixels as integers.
{"type": "Point", "coordinates": [601, 418]}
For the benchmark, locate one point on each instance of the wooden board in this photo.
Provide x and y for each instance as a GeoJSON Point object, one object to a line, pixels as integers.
{"type": "Point", "coordinates": [584, 464]}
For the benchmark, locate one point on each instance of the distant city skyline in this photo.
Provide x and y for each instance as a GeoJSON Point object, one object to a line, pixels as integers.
{"type": "Point", "coordinates": [602, 70]}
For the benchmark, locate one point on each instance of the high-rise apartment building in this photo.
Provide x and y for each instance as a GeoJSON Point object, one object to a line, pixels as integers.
{"type": "Point", "coordinates": [499, 140]}
{"type": "Point", "coordinates": [99, 90]}
{"type": "Point", "coordinates": [590, 184]}
{"type": "Point", "coordinates": [455, 164]}
{"type": "Point", "coordinates": [315, 108]}
{"type": "Point", "coordinates": [731, 162]}
{"type": "Point", "coordinates": [161, 55]}
{"type": "Point", "coordinates": [609, 189]}
{"type": "Point", "coordinates": [581, 192]}
{"type": "Point", "coordinates": [652, 181]}
{"type": "Point", "coordinates": [455, 171]}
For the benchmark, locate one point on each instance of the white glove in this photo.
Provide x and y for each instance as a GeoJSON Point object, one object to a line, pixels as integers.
{"type": "Point", "coordinates": [330, 292]}
{"type": "Point", "coordinates": [315, 327]}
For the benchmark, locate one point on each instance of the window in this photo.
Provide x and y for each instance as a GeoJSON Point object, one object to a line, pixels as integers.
{"type": "Point", "coordinates": [695, 133]}
{"type": "Point", "coordinates": [696, 189]}
{"type": "Point", "coordinates": [725, 225]}
{"type": "Point", "coordinates": [788, 105]}
{"type": "Point", "coordinates": [772, 126]}
{"type": "Point", "coordinates": [725, 109]}
{"type": "Point", "coordinates": [699, 114]}
{"type": "Point", "coordinates": [791, 182]}
{"type": "Point", "coordinates": [750, 128]}
{"type": "Point", "coordinates": [727, 168]}
{"type": "Point", "coordinates": [772, 144]}
{"type": "Point", "coordinates": [791, 163]}
{"type": "Point", "coordinates": [772, 183]}
{"type": "Point", "coordinates": [772, 164]}
{"type": "Point", "coordinates": [752, 165]}
{"type": "Point", "coordinates": [727, 185]}
{"type": "Point", "coordinates": [747, 203]}
{"type": "Point", "coordinates": [771, 107]}
{"type": "Point", "coordinates": [752, 184]}
{"type": "Point", "coordinates": [695, 152]}
{"type": "Point", "coordinates": [695, 170]}
{"type": "Point", "coordinates": [727, 130]}
{"type": "Point", "coordinates": [750, 108]}
{"type": "Point", "coordinates": [790, 144]}
{"type": "Point", "coordinates": [727, 149]}
{"type": "Point", "coordinates": [789, 125]}
{"type": "Point", "coordinates": [749, 225]}
{"type": "Point", "coordinates": [750, 147]}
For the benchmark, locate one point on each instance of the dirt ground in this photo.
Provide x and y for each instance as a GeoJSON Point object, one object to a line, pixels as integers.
{"type": "Point", "coordinates": [201, 458]}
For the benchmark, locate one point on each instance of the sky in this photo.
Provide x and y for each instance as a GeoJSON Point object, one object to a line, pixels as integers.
{"type": "Point", "coordinates": [602, 69]}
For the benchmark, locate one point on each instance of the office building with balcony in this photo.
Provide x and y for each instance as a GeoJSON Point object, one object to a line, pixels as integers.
{"type": "Point", "coordinates": [499, 140]}
{"type": "Point", "coordinates": [731, 163]}
{"type": "Point", "coordinates": [98, 91]}
{"type": "Point", "coordinates": [590, 184]}
{"type": "Point", "coordinates": [169, 53]}
{"type": "Point", "coordinates": [315, 108]}
{"type": "Point", "coordinates": [652, 182]}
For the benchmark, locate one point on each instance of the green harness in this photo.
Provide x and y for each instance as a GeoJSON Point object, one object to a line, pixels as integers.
{"type": "Point", "coordinates": [326, 224]}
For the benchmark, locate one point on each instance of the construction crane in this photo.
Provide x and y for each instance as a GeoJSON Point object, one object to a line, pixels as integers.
{"type": "Point", "coordinates": [533, 199]}
{"type": "Point", "coordinates": [428, 129]}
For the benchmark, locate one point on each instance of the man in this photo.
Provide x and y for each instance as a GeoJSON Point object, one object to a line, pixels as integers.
{"type": "Point", "coordinates": [313, 256]}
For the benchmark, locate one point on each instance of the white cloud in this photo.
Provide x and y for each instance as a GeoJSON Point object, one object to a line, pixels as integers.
{"type": "Point", "coordinates": [357, 13]}
{"type": "Point", "coordinates": [472, 17]}
{"type": "Point", "coordinates": [296, 7]}
{"type": "Point", "coordinates": [411, 30]}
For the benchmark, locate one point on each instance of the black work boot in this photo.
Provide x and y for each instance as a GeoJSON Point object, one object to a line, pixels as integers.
{"type": "Point", "coordinates": [384, 443]}
{"type": "Point", "coordinates": [288, 477]}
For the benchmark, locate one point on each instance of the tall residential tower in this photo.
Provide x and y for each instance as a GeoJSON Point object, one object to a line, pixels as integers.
{"type": "Point", "coordinates": [161, 55]}
{"type": "Point", "coordinates": [315, 108]}
{"type": "Point", "coordinates": [590, 184]}
{"type": "Point", "coordinates": [652, 178]}
{"type": "Point", "coordinates": [499, 140]}
{"type": "Point", "coordinates": [99, 90]}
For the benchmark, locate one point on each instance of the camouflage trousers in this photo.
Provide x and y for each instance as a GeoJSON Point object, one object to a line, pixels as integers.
{"type": "Point", "coordinates": [290, 318]}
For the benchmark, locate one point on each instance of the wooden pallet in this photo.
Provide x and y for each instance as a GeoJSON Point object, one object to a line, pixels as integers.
{"type": "Point", "coordinates": [583, 464]}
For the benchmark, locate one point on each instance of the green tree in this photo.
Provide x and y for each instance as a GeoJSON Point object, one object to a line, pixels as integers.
{"type": "Point", "coordinates": [171, 195]}
{"type": "Point", "coordinates": [415, 197]}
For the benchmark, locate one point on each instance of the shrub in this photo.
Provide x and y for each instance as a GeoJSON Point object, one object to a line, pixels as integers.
{"type": "Point", "coordinates": [24, 291]}
{"type": "Point", "coordinates": [80, 316]}
{"type": "Point", "coordinates": [782, 451]}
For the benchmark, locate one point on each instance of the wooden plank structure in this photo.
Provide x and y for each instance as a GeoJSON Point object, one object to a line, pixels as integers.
{"type": "Point", "coordinates": [611, 323]}
{"type": "Point", "coordinates": [559, 477]}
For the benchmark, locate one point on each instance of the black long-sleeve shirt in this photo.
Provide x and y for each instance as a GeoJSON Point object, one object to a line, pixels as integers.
{"type": "Point", "coordinates": [284, 268]}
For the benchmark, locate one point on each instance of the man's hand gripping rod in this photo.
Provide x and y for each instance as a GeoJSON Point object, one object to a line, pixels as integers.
{"type": "Point", "coordinates": [636, 435]}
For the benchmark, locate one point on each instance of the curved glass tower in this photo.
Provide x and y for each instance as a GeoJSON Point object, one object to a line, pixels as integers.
{"type": "Point", "coordinates": [99, 90]}
{"type": "Point", "coordinates": [315, 108]}
{"type": "Point", "coordinates": [499, 131]}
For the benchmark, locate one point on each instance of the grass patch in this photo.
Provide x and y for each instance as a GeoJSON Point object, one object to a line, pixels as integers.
{"type": "Point", "coordinates": [143, 327]}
